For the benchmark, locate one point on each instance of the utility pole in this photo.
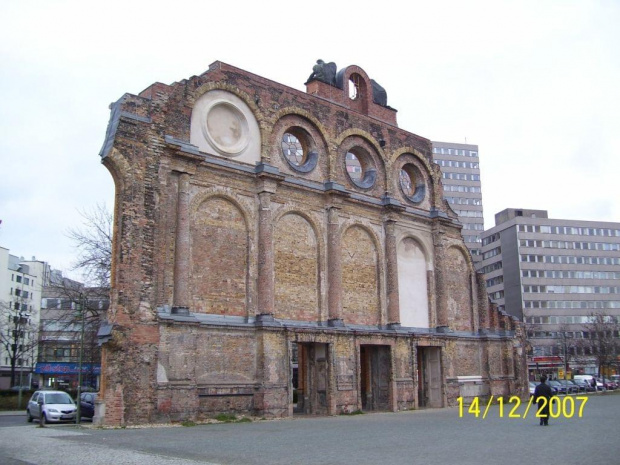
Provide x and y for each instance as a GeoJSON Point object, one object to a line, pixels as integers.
{"type": "Point", "coordinates": [21, 323]}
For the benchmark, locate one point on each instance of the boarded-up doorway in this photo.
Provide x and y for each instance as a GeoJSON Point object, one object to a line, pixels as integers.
{"type": "Point", "coordinates": [310, 378]}
{"type": "Point", "coordinates": [375, 377]}
{"type": "Point", "coordinates": [429, 377]}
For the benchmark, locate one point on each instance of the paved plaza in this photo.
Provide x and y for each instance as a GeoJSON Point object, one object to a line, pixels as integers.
{"type": "Point", "coordinates": [418, 437]}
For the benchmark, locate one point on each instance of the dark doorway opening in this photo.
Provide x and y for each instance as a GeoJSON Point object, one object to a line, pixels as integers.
{"type": "Point", "coordinates": [310, 378]}
{"type": "Point", "coordinates": [375, 371]}
{"type": "Point", "coordinates": [429, 377]}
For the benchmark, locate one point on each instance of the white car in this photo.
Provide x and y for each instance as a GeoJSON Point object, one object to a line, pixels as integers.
{"type": "Point", "coordinates": [54, 405]}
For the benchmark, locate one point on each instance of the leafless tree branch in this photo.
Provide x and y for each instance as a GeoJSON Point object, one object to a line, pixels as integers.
{"type": "Point", "coordinates": [93, 241]}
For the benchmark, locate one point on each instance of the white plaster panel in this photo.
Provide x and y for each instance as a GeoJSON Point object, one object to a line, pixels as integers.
{"type": "Point", "coordinates": [412, 287]}
{"type": "Point", "coordinates": [222, 124]}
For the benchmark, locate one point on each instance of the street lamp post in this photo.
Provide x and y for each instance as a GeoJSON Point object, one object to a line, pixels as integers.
{"type": "Point", "coordinates": [20, 332]}
{"type": "Point", "coordinates": [79, 388]}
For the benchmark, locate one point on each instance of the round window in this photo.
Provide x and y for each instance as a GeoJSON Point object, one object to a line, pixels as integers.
{"type": "Point", "coordinates": [360, 169]}
{"type": "Point", "coordinates": [407, 183]}
{"type": "Point", "coordinates": [412, 183]}
{"type": "Point", "coordinates": [293, 149]}
{"type": "Point", "coordinates": [354, 167]}
{"type": "Point", "coordinates": [298, 149]}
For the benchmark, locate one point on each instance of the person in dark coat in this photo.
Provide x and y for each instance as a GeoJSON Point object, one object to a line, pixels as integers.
{"type": "Point", "coordinates": [543, 391]}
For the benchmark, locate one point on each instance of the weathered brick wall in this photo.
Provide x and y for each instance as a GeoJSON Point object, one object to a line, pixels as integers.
{"type": "Point", "coordinates": [296, 269]}
{"type": "Point", "coordinates": [204, 372]}
{"type": "Point", "coordinates": [360, 281]}
{"type": "Point", "coordinates": [219, 258]}
{"type": "Point", "coordinates": [464, 358]}
{"type": "Point", "coordinates": [458, 290]}
{"type": "Point", "coordinates": [223, 238]}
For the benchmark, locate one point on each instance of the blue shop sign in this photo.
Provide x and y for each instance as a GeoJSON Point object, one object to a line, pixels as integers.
{"type": "Point", "coordinates": [65, 368]}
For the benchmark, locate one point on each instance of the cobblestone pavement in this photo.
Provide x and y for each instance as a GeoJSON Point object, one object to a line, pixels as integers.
{"type": "Point", "coordinates": [419, 437]}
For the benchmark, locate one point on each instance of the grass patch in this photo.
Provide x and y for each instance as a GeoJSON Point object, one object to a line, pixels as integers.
{"type": "Point", "coordinates": [355, 412]}
{"type": "Point", "coordinates": [232, 418]}
{"type": "Point", "coordinates": [188, 423]}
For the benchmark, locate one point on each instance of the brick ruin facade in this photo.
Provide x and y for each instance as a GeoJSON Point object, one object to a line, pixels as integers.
{"type": "Point", "coordinates": [279, 252]}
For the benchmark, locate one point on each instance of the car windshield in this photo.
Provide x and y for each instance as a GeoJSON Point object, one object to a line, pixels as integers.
{"type": "Point", "coordinates": [58, 398]}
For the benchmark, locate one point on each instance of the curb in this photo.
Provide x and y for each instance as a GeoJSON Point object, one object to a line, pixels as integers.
{"type": "Point", "coordinates": [13, 413]}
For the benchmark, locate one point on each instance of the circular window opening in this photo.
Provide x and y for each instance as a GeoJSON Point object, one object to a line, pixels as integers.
{"type": "Point", "coordinates": [412, 183]}
{"type": "Point", "coordinates": [298, 150]}
{"type": "Point", "coordinates": [407, 182]}
{"type": "Point", "coordinates": [293, 150]}
{"type": "Point", "coordinates": [354, 167]}
{"type": "Point", "coordinates": [360, 169]}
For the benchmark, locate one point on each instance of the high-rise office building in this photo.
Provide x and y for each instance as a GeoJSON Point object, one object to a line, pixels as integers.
{"type": "Point", "coordinates": [460, 166]}
{"type": "Point", "coordinates": [553, 274]}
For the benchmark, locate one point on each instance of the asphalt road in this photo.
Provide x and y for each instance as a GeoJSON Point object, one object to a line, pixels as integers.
{"type": "Point", "coordinates": [419, 437]}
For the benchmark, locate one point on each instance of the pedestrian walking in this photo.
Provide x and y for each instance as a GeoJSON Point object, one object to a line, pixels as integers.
{"type": "Point", "coordinates": [542, 395]}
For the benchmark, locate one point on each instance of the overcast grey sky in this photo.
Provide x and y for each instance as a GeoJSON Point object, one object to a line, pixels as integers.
{"type": "Point", "coordinates": [536, 84]}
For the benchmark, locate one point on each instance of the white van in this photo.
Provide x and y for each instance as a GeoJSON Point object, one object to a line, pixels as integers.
{"type": "Point", "coordinates": [588, 378]}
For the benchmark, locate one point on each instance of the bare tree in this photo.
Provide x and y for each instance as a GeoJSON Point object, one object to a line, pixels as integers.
{"type": "Point", "coordinates": [73, 310]}
{"type": "Point", "coordinates": [93, 241]}
{"type": "Point", "coordinates": [602, 341]}
{"type": "Point", "coordinates": [18, 336]}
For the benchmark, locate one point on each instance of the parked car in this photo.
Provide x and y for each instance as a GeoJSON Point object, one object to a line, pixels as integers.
{"type": "Point", "coordinates": [533, 385]}
{"type": "Point", "coordinates": [87, 404]}
{"type": "Point", "coordinates": [584, 384]}
{"type": "Point", "coordinates": [609, 384]}
{"type": "Point", "coordinates": [54, 406]}
{"type": "Point", "coordinates": [559, 387]}
{"type": "Point", "coordinates": [588, 379]}
{"type": "Point", "coordinates": [574, 387]}
{"type": "Point", "coordinates": [20, 388]}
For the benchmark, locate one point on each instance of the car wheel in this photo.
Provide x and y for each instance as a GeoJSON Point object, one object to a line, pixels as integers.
{"type": "Point", "coordinates": [28, 416]}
